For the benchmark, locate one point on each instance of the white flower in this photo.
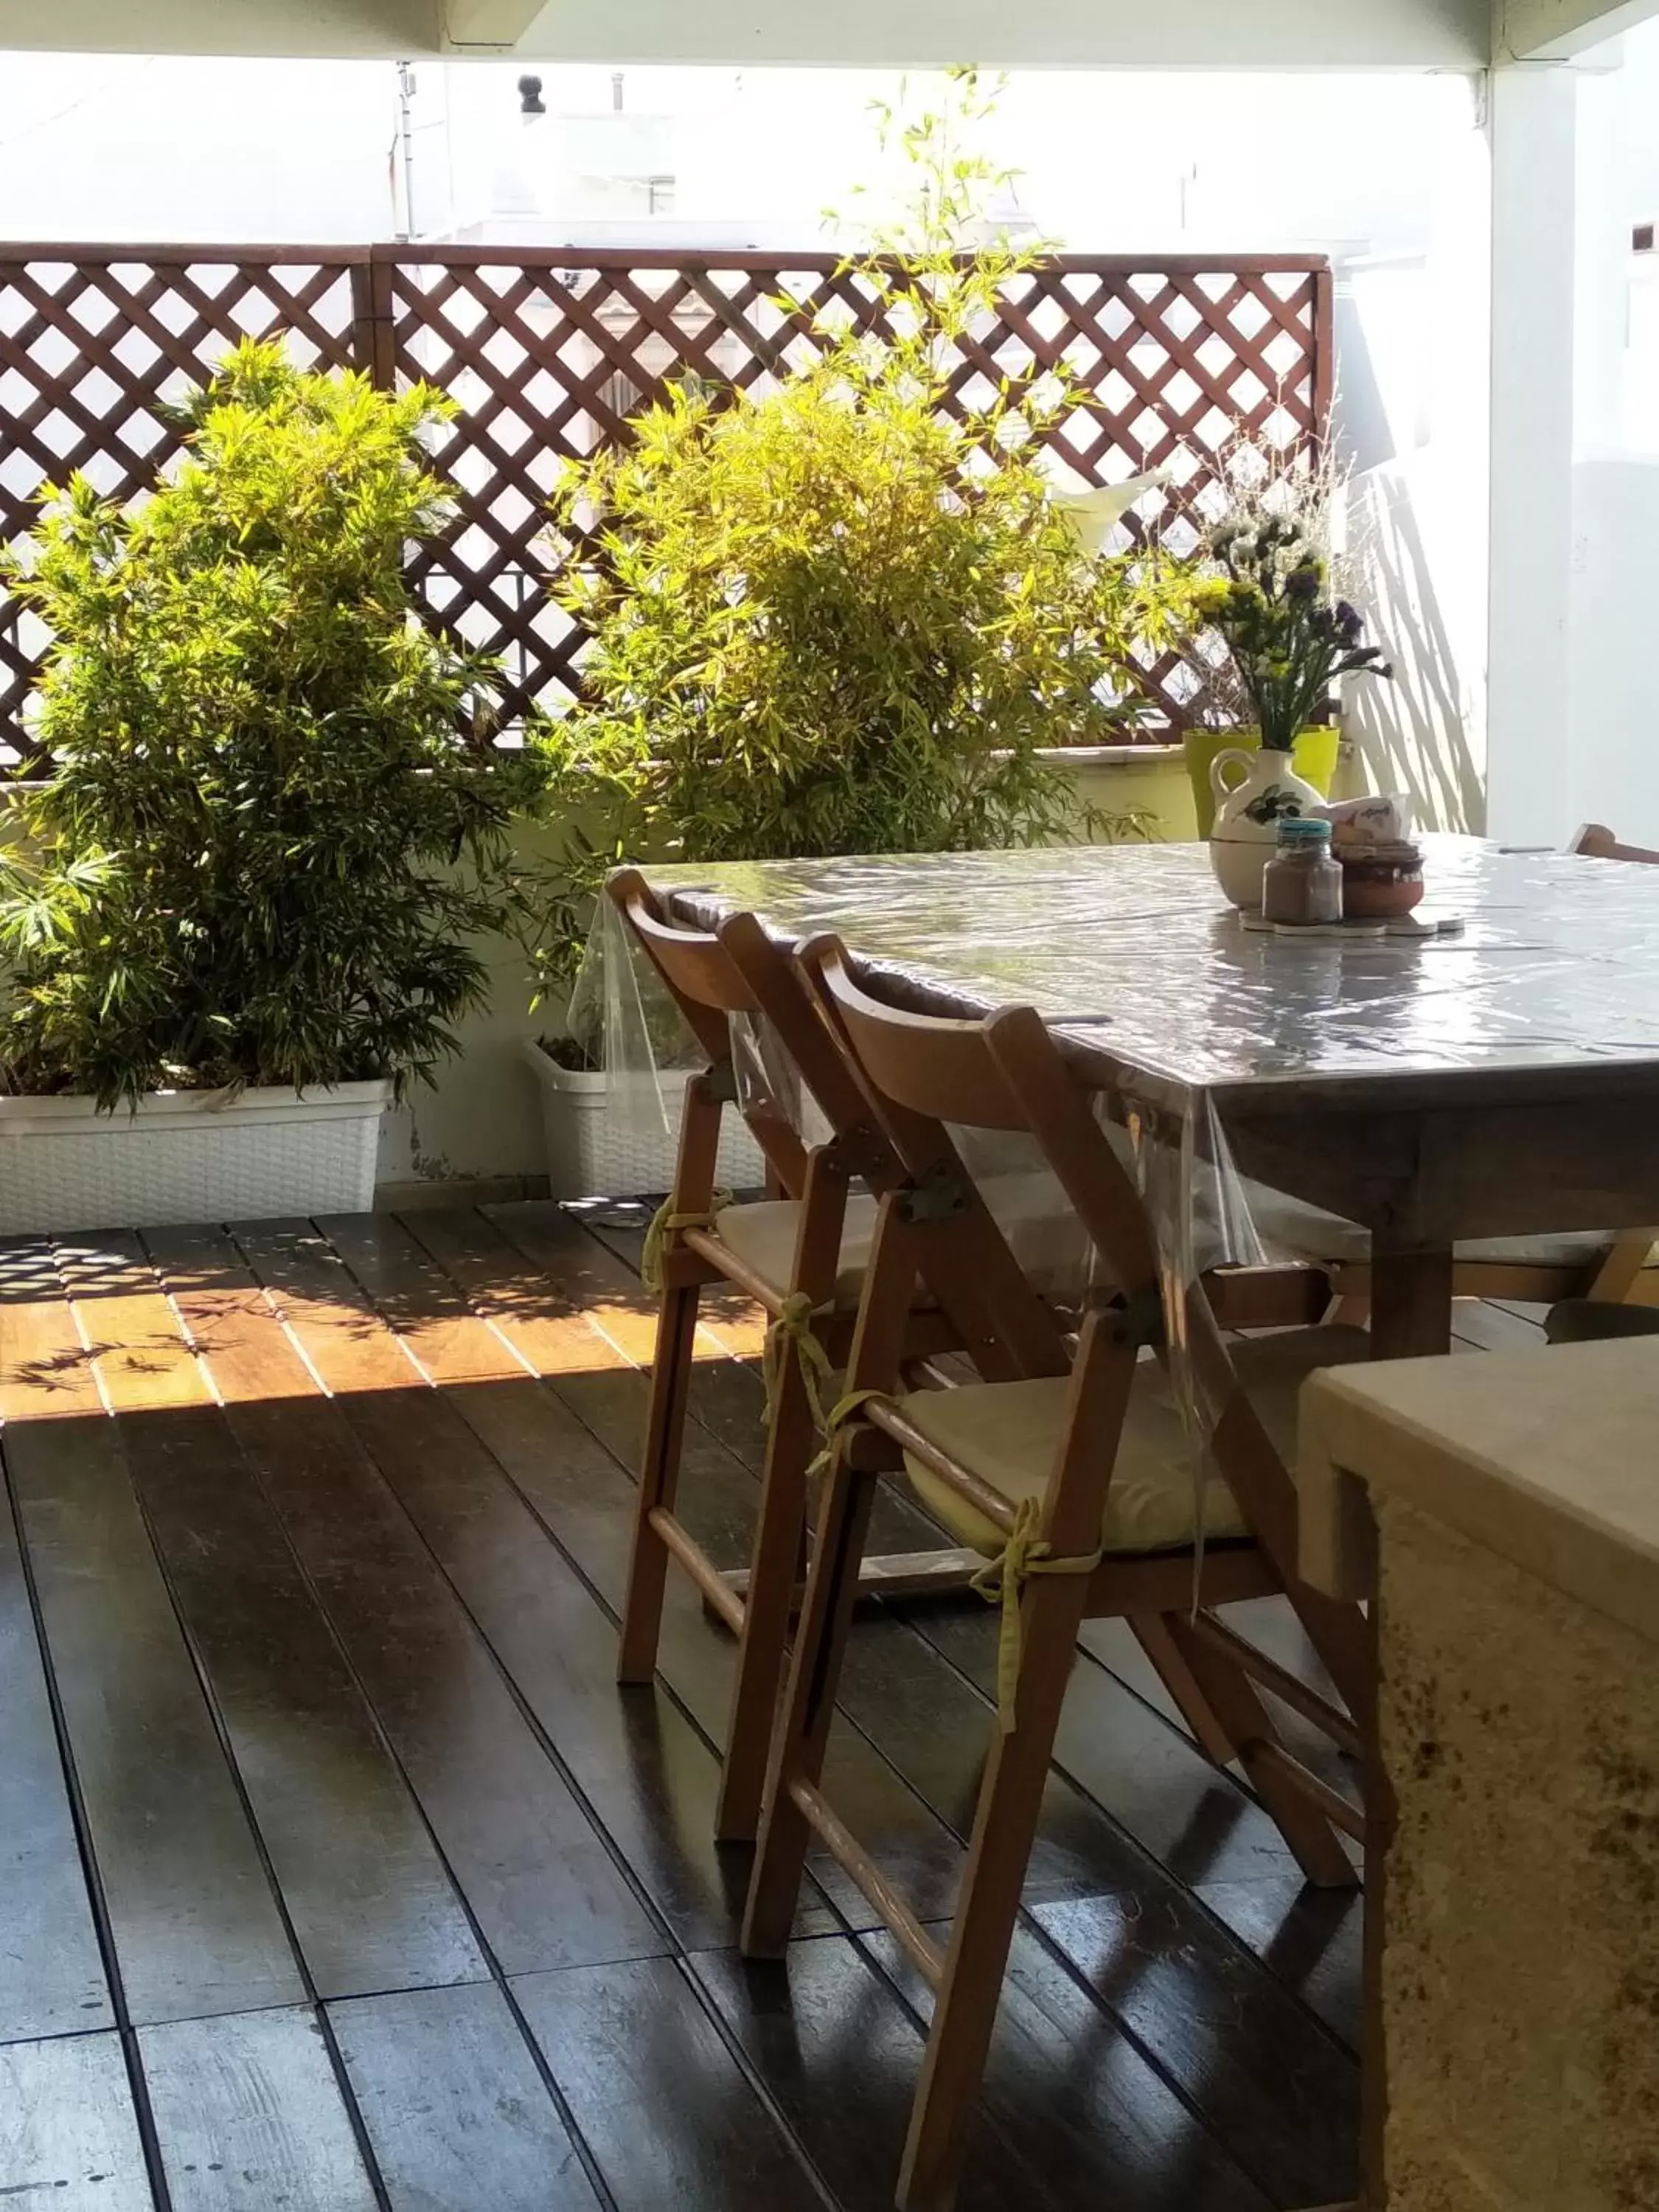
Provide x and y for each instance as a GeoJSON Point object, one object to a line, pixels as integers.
{"type": "Point", "coordinates": [1091, 516]}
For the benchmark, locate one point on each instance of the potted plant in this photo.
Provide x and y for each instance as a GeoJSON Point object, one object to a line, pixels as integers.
{"type": "Point", "coordinates": [1258, 481]}
{"type": "Point", "coordinates": [1290, 640]}
{"type": "Point", "coordinates": [829, 615]}
{"type": "Point", "coordinates": [235, 919]}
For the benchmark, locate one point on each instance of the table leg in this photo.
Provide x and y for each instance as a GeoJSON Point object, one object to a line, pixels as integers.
{"type": "Point", "coordinates": [1411, 1302]}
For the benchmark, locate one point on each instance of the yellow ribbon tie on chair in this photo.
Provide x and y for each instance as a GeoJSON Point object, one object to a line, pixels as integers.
{"type": "Point", "coordinates": [840, 1413]}
{"type": "Point", "coordinates": [793, 1328]}
{"type": "Point", "coordinates": [1002, 1582]}
{"type": "Point", "coordinates": [663, 1223]}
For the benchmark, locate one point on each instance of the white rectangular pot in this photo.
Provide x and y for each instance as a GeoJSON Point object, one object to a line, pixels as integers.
{"type": "Point", "coordinates": [188, 1156]}
{"type": "Point", "coordinates": [595, 1151]}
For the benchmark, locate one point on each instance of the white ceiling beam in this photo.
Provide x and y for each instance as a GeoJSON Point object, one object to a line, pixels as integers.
{"type": "Point", "coordinates": [1554, 30]}
{"type": "Point", "coordinates": [1275, 35]}
{"type": "Point", "coordinates": [1040, 33]}
{"type": "Point", "coordinates": [488, 26]}
{"type": "Point", "coordinates": [1268, 34]}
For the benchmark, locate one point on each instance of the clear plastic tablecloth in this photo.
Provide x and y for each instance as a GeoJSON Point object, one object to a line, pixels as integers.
{"type": "Point", "coordinates": [1130, 952]}
{"type": "Point", "coordinates": [1130, 949]}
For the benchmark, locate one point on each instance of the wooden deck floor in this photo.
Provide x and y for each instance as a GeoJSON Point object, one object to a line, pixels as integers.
{"type": "Point", "coordinates": [335, 1872]}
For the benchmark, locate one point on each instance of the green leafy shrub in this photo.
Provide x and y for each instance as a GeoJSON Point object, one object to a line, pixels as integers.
{"type": "Point", "coordinates": [826, 618]}
{"type": "Point", "coordinates": [278, 815]}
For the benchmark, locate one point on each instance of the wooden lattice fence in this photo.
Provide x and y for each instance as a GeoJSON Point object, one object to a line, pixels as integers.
{"type": "Point", "coordinates": [548, 352]}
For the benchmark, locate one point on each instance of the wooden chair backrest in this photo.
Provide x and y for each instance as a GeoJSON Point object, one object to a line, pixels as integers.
{"type": "Point", "coordinates": [739, 969]}
{"type": "Point", "coordinates": [1595, 842]}
{"type": "Point", "coordinates": [929, 1071]}
{"type": "Point", "coordinates": [708, 987]}
{"type": "Point", "coordinates": [1003, 1073]}
{"type": "Point", "coordinates": [699, 973]}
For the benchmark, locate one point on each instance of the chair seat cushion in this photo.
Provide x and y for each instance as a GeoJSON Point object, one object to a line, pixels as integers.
{"type": "Point", "coordinates": [1291, 1228]}
{"type": "Point", "coordinates": [1043, 1231]}
{"type": "Point", "coordinates": [1009, 1434]}
{"type": "Point", "coordinates": [763, 1236]}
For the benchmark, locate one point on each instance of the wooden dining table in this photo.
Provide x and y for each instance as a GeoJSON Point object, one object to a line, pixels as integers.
{"type": "Point", "coordinates": [1499, 1079]}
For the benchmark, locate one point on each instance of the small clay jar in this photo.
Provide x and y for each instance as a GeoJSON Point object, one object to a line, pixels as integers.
{"type": "Point", "coordinates": [1380, 883]}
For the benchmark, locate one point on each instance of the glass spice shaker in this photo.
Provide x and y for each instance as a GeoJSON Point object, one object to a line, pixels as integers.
{"type": "Point", "coordinates": [1301, 883]}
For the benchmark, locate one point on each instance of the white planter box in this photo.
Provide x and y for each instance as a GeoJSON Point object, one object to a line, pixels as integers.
{"type": "Point", "coordinates": [596, 1151]}
{"type": "Point", "coordinates": [188, 1156]}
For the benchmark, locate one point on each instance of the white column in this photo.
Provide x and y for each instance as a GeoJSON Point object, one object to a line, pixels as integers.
{"type": "Point", "coordinates": [1532, 121]}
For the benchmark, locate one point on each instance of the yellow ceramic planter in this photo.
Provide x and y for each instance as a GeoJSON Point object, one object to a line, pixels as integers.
{"type": "Point", "coordinates": [1148, 781]}
{"type": "Point", "coordinates": [1314, 758]}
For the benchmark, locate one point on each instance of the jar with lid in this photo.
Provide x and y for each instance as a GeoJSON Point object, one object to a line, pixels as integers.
{"type": "Point", "coordinates": [1381, 882]}
{"type": "Point", "coordinates": [1302, 884]}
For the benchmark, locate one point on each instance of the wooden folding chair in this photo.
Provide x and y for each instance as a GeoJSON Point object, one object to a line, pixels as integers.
{"type": "Point", "coordinates": [1530, 1270]}
{"type": "Point", "coordinates": [802, 1258]}
{"type": "Point", "coordinates": [1595, 842]}
{"type": "Point", "coordinates": [1077, 1482]}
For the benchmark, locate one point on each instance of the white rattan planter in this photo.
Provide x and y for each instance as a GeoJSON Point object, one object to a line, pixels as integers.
{"type": "Point", "coordinates": [188, 1156]}
{"type": "Point", "coordinates": [594, 1152]}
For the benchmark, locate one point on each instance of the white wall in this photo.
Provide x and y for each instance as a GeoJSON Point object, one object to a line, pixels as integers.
{"type": "Point", "coordinates": [1413, 406]}
{"type": "Point", "coordinates": [482, 1116]}
{"type": "Point", "coordinates": [1611, 752]}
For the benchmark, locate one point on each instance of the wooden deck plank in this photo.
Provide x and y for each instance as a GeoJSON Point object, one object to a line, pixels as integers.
{"type": "Point", "coordinates": [718, 1503]}
{"type": "Point", "coordinates": [51, 1972]}
{"type": "Point", "coordinates": [828, 2040]}
{"type": "Point", "coordinates": [937, 1737]}
{"type": "Point", "coordinates": [343, 1338]}
{"type": "Point", "coordinates": [234, 1325]}
{"type": "Point", "coordinates": [540, 1881]}
{"type": "Point", "coordinates": [459, 2116]}
{"type": "Point", "coordinates": [606, 1286]}
{"type": "Point", "coordinates": [1172, 2033]}
{"type": "Point", "coordinates": [68, 2135]}
{"type": "Point", "coordinates": [936, 1729]}
{"type": "Point", "coordinates": [650, 1778]}
{"type": "Point", "coordinates": [249, 2116]}
{"type": "Point", "coordinates": [1308, 1939]}
{"type": "Point", "coordinates": [591, 1521]}
{"type": "Point", "coordinates": [45, 1367]}
{"type": "Point", "coordinates": [551, 1330]}
{"type": "Point", "coordinates": [370, 1902]}
{"type": "Point", "coordinates": [195, 1925]}
{"type": "Point", "coordinates": [1185, 1813]}
{"type": "Point", "coordinates": [1497, 1328]}
{"type": "Point", "coordinates": [414, 1297]}
{"type": "Point", "coordinates": [732, 1319]}
{"type": "Point", "coordinates": [1280, 2092]}
{"type": "Point", "coordinates": [138, 1345]}
{"type": "Point", "coordinates": [659, 2099]}
{"type": "Point", "coordinates": [1077, 2102]}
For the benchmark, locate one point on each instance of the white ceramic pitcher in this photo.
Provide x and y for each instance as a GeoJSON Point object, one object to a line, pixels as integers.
{"type": "Point", "coordinates": [1247, 813]}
